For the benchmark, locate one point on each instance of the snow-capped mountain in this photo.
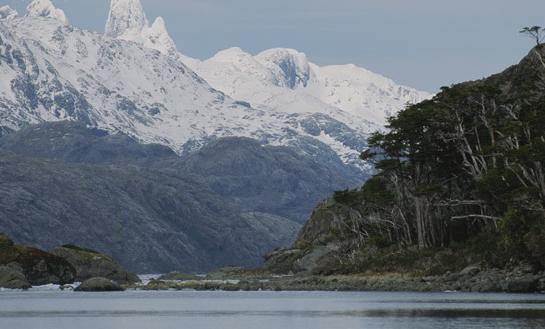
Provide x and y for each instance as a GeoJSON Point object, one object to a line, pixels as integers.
{"type": "Point", "coordinates": [278, 79]}
{"type": "Point", "coordinates": [284, 79]}
{"type": "Point", "coordinates": [132, 79]}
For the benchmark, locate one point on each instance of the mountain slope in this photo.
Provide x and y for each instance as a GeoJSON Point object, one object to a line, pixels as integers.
{"type": "Point", "coordinates": [62, 183]}
{"type": "Point", "coordinates": [152, 222]}
{"type": "Point", "coordinates": [226, 204]}
{"type": "Point", "coordinates": [269, 179]}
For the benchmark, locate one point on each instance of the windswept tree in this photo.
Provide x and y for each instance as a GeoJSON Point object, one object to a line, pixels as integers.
{"type": "Point", "coordinates": [537, 33]}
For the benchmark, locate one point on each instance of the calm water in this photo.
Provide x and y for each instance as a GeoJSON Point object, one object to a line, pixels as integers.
{"type": "Point", "coordinates": [268, 310]}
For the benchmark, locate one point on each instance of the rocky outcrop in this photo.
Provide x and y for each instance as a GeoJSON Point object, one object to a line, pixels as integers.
{"type": "Point", "coordinates": [37, 266]}
{"type": "Point", "coordinates": [42, 268]}
{"type": "Point", "coordinates": [318, 239]}
{"type": "Point", "coordinates": [99, 285]}
{"type": "Point", "coordinates": [22, 267]}
{"type": "Point", "coordinates": [12, 277]}
{"type": "Point", "coordinates": [89, 263]}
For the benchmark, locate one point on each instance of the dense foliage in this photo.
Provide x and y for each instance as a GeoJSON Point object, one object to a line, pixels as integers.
{"type": "Point", "coordinates": [463, 166]}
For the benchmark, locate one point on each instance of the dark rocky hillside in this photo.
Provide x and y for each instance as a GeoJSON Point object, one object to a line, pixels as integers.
{"type": "Point", "coordinates": [73, 142]}
{"type": "Point", "coordinates": [228, 204]}
{"type": "Point", "coordinates": [269, 179]}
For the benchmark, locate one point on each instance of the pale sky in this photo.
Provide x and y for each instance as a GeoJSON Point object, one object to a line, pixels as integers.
{"type": "Point", "coordinates": [425, 44]}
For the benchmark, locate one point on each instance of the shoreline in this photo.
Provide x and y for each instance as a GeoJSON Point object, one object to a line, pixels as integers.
{"type": "Point", "coordinates": [469, 280]}
{"type": "Point", "coordinates": [336, 283]}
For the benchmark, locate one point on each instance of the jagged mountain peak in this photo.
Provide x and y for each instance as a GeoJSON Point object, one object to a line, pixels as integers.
{"type": "Point", "coordinates": [156, 37]}
{"type": "Point", "coordinates": [6, 12]}
{"type": "Point", "coordinates": [45, 8]}
{"type": "Point", "coordinates": [126, 19]}
{"type": "Point", "coordinates": [159, 24]}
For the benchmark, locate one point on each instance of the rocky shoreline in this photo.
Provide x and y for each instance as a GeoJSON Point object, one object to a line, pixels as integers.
{"type": "Point", "coordinates": [471, 279]}
{"type": "Point", "coordinates": [23, 267]}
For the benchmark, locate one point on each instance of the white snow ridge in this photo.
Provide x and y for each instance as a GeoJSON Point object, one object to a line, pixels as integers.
{"type": "Point", "coordinates": [133, 80]}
